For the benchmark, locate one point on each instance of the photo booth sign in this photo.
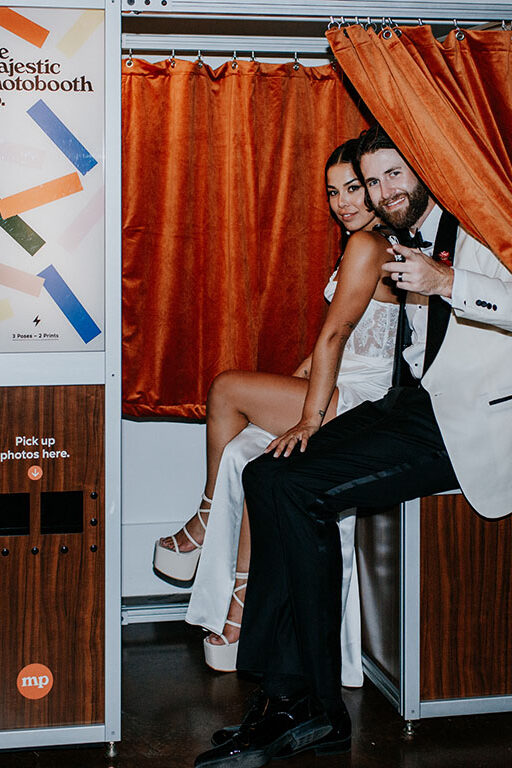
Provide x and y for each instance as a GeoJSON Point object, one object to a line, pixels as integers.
{"type": "Point", "coordinates": [52, 260]}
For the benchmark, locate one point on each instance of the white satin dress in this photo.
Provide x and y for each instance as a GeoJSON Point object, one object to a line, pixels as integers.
{"type": "Point", "coordinates": [365, 374]}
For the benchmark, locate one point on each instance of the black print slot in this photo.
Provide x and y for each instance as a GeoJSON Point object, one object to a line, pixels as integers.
{"type": "Point", "coordinates": [62, 512]}
{"type": "Point", "coordinates": [500, 400]}
{"type": "Point", "coordinates": [14, 514]}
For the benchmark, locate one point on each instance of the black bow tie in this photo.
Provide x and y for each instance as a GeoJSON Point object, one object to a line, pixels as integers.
{"type": "Point", "coordinates": [413, 241]}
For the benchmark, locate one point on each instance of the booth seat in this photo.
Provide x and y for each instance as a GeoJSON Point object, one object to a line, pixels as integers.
{"type": "Point", "coordinates": [436, 601]}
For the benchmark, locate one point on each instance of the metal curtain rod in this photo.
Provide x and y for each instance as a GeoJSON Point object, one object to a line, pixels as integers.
{"type": "Point", "coordinates": [222, 44]}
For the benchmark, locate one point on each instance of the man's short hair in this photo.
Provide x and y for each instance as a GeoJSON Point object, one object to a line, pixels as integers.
{"type": "Point", "coordinates": [372, 140]}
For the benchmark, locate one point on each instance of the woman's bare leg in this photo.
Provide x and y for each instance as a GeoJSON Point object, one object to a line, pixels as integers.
{"type": "Point", "coordinates": [235, 398]}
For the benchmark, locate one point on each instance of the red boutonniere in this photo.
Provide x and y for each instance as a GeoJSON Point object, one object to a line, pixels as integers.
{"type": "Point", "coordinates": [445, 257]}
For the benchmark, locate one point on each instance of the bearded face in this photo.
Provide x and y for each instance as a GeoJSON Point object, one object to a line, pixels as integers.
{"type": "Point", "coordinates": [404, 217]}
{"type": "Point", "coordinates": [396, 193]}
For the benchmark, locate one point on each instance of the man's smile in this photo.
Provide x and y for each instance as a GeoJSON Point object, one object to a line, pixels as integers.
{"type": "Point", "coordinates": [394, 201]}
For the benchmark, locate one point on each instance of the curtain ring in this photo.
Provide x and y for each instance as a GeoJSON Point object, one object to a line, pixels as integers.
{"type": "Point", "coordinates": [172, 60]}
{"type": "Point", "coordinates": [129, 61]}
{"type": "Point", "coordinates": [333, 23]}
{"type": "Point", "coordinates": [253, 57]}
{"type": "Point", "coordinates": [370, 25]}
{"type": "Point", "coordinates": [234, 63]}
{"type": "Point", "coordinates": [296, 64]}
{"type": "Point", "coordinates": [459, 34]}
{"type": "Point", "coordinates": [396, 28]}
{"type": "Point", "coordinates": [420, 23]}
{"type": "Point", "coordinates": [199, 60]}
{"type": "Point", "coordinates": [334, 64]}
{"type": "Point", "coordinates": [387, 34]}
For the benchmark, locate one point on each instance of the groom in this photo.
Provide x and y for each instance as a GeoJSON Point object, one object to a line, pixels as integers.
{"type": "Point", "coordinates": [452, 428]}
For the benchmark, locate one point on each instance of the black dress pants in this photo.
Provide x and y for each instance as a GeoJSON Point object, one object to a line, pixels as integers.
{"type": "Point", "coordinates": [375, 455]}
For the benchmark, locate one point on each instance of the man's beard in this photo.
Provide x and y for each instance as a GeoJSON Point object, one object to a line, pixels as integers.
{"type": "Point", "coordinates": [406, 217]}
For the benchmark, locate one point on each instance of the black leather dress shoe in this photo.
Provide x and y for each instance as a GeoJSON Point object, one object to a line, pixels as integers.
{"type": "Point", "coordinates": [334, 743]}
{"type": "Point", "coordinates": [224, 734]}
{"type": "Point", "coordinates": [294, 721]}
{"type": "Point", "coordinates": [258, 702]}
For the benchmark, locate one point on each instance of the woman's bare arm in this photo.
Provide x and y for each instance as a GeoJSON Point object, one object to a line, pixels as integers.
{"type": "Point", "coordinates": [359, 277]}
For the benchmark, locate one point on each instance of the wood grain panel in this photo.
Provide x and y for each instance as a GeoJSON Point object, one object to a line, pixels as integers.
{"type": "Point", "coordinates": [466, 601]}
{"type": "Point", "coordinates": [55, 614]}
{"type": "Point", "coordinates": [378, 562]}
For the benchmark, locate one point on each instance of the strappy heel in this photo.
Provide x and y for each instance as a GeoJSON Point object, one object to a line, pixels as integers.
{"type": "Point", "coordinates": [176, 565]}
{"type": "Point", "coordinates": [223, 657]}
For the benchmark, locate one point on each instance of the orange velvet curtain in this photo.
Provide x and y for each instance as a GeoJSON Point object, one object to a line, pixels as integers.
{"type": "Point", "coordinates": [227, 238]}
{"type": "Point", "coordinates": [448, 107]}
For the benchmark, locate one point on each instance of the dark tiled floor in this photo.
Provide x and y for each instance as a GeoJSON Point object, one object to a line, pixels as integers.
{"type": "Point", "coordinates": [172, 703]}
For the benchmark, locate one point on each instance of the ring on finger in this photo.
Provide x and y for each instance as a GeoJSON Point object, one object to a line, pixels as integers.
{"type": "Point", "coordinates": [400, 277]}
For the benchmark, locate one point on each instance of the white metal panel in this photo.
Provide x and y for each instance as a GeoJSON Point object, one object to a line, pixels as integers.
{"type": "Point", "coordinates": [226, 43]}
{"type": "Point", "coordinates": [412, 9]}
{"type": "Point", "coordinates": [51, 368]}
{"type": "Point", "coordinates": [164, 470]}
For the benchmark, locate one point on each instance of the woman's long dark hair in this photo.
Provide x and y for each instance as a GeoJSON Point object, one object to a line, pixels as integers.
{"type": "Point", "coordinates": [345, 153]}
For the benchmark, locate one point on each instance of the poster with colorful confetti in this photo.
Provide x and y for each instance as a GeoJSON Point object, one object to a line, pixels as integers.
{"type": "Point", "coordinates": [52, 242]}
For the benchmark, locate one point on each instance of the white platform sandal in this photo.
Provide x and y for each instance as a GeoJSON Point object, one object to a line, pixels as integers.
{"type": "Point", "coordinates": [223, 657]}
{"type": "Point", "coordinates": [176, 565]}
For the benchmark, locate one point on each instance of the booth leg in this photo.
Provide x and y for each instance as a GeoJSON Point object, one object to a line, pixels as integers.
{"type": "Point", "coordinates": [409, 729]}
{"type": "Point", "coordinates": [112, 750]}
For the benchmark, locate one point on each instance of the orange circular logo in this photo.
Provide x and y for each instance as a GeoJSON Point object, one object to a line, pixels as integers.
{"type": "Point", "coordinates": [34, 681]}
{"type": "Point", "coordinates": [35, 472]}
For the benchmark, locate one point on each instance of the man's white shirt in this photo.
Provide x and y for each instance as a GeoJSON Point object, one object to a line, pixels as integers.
{"type": "Point", "coordinates": [417, 305]}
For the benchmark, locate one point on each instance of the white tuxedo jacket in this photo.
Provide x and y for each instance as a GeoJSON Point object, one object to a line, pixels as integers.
{"type": "Point", "coordinates": [470, 380]}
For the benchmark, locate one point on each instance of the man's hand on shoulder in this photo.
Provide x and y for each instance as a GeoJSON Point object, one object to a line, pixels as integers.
{"type": "Point", "coordinates": [418, 273]}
